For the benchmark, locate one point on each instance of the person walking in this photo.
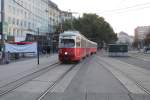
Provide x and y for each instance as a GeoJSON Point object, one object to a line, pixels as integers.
{"type": "Point", "coordinates": [7, 57]}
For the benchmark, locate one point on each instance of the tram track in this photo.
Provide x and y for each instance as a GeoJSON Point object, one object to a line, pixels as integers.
{"type": "Point", "coordinates": [5, 89]}
{"type": "Point", "coordinates": [13, 87]}
{"type": "Point", "coordinates": [43, 94]}
{"type": "Point", "coordinates": [140, 56]}
{"type": "Point", "coordinates": [137, 83]}
{"type": "Point", "coordinates": [116, 79]}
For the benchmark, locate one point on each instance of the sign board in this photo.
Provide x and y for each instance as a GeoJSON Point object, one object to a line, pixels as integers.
{"type": "Point", "coordinates": [27, 48]}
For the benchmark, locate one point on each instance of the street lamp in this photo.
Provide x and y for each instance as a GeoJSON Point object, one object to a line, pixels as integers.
{"type": "Point", "coordinates": [38, 26]}
{"type": "Point", "coordinates": [2, 30]}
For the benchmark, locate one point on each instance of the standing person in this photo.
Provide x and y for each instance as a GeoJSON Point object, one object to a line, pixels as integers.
{"type": "Point", "coordinates": [7, 57]}
{"type": "Point", "coordinates": [145, 50]}
{"type": "Point", "coordinates": [138, 49]}
{"type": "Point", "coordinates": [1, 56]}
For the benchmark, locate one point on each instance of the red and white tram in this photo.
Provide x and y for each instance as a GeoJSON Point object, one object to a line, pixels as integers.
{"type": "Point", "coordinates": [73, 46]}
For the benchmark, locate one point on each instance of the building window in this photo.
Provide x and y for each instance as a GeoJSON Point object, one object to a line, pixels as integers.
{"type": "Point", "coordinates": [21, 23]}
{"type": "Point", "coordinates": [21, 33]}
{"type": "Point", "coordinates": [9, 20]}
{"type": "Point", "coordinates": [14, 12]}
{"type": "Point", "coordinates": [14, 32]}
{"type": "Point", "coordinates": [25, 14]}
{"type": "Point", "coordinates": [9, 31]}
{"type": "Point", "coordinates": [18, 12]}
{"type": "Point", "coordinates": [29, 25]}
{"type": "Point", "coordinates": [14, 21]}
{"type": "Point", "coordinates": [32, 25]}
{"type": "Point", "coordinates": [17, 21]}
{"type": "Point", "coordinates": [18, 34]}
{"type": "Point", "coordinates": [25, 23]}
{"type": "Point", "coordinates": [10, 8]}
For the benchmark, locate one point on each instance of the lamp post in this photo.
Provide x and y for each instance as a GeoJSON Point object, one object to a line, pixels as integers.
{"type": "Point", "coordinates": [38, 54]}
{"type": "Point", "coordinates": [2, 31]}
{"type": "Point", "coordinates": [38, 62]}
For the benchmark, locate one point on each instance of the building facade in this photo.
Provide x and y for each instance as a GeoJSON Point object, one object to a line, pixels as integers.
{"type": "Point", "coordinates": [140, 33]}
{"type": "Point", "coordinates": [125, 38]}
{"type": "Point", "coordinates": [22, 17]}
{"type": "Point", "coordinates": [65, 15]}
{"type": "Point", "coordinates": [54, 16]}
{"type": "Point", "coordinates": [25, 17]}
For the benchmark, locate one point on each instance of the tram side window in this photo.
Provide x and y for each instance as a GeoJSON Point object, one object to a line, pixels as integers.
{"type": "Point", "coordinates": [78, 42]}
{"type": "Point", "coordinates": [83, 43]}
{"type": "Point", "coordinates": [67, 43]}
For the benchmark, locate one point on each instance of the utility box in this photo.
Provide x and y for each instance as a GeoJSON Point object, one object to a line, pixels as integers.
{"type": "Point", "coordinates": [118, 50]}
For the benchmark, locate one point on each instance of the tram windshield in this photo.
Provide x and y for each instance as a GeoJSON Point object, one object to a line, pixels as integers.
{"type": "Point", "coordinates": [67, 43]}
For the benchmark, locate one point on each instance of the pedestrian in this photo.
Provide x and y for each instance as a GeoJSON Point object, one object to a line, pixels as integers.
{"type": "Point", "coordinates": [7, 57]}
{"type": "Point", "coordinates": [138, 49]}
{"type": "Point", "coordinates": [1, 55]}
{"type": "Point", "coordinates": [145, 49]}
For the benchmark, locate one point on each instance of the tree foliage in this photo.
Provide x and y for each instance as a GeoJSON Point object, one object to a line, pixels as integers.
{"type": "Point", "coordinates": [93, 27]}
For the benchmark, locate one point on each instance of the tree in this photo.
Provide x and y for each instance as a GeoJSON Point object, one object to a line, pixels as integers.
{"type": "Point", "coordinates": [93, 27]}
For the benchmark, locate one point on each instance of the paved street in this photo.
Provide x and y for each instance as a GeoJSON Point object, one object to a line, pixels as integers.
{"type": "Point", "coordinates": [92, 82]}
{"type": "Point", "coordinates": [22, 68]}
{"type": "Point", "coordinates": [136, 61]}
{"type": "Point", "coordinates": [98, 77]}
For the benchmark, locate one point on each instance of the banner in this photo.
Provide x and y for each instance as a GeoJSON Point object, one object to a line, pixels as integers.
{"type": "Point", "coordinates": [27, 48]}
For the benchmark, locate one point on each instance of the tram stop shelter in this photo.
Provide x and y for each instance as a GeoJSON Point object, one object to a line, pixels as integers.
{"type": "Point", "coordinates": [117, 50]}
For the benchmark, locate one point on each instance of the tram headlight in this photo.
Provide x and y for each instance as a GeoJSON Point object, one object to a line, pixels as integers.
{"type": "Point", "coordinates": [66, 53]}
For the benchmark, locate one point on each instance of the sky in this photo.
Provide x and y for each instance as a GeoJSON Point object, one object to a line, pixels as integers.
{"type": "Point", "coordinates": [123, 15]}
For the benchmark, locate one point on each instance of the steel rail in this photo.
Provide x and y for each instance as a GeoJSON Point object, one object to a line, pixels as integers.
{"type": "Point", "coordinates": [116, 79]}
{"type": "Point", "coordinates": [138, 83]}
{"type": "Point", "coordinates": [19, 82]}
{"type": "Point", "coordinates": [42, 95]}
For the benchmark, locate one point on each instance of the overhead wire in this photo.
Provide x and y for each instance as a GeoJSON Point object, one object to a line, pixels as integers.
{"type": "Point", "coordinates": [22, 6]}
{"type": "Point", "coordinates": [26, 8]}
{"type": "Point", "coordinates": [114, 11]}
{"type": "Point", "coordinates": [134, 7]}
{"type": "Point", "coordinates": [130, 10]}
